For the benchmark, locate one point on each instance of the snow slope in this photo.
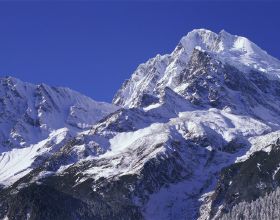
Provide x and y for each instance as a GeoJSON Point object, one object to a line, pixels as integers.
{"type": "Point", "coordinates": [206, 140]}
{"type": "Point", "coordinates": [18, 162]}
{"type": "Point", "coordinates": [212, 128]}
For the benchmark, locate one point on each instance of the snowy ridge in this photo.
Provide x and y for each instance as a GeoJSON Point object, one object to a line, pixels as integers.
{"type": "Point", "coordinates": [29, 112]}
{"type": "Point", "coordinates": [163, 71]}
{"type": "Point", "coordinates": [213, 128]}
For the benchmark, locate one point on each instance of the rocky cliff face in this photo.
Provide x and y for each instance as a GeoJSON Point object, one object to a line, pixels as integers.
{"type": "Point", "coordinates": [196, 133]}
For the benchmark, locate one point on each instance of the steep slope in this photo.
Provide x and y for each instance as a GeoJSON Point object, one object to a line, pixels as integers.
{"type": "Point", "coordinates": [259, 175]}
{"type": "Point", "coordinates": [198, 134]}
{"type": "Point", "coordinates": [266, 207]}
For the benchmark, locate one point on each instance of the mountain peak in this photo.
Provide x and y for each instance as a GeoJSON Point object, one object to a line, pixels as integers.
{"type": "Point", "coordinates": [222, 42]}
{"type": "Point", "coordinates": [30, 112]}
{"type": "Point", "coordinates": [166, 71]}
{"type": "Point", "coordinates": [201, 31]}
{"type": "Point", "coordinates": [199, 37]}
{"type": "Point", "coordinates": [225, 33]}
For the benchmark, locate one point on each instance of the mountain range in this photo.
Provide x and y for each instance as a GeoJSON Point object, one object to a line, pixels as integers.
{"type": "Point", "coordinates": [194, 134]}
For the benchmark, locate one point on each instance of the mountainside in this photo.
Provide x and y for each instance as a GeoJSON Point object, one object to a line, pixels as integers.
{"type": "Point", "coordinates": [35, 117]}
{"type": "Point", "coordinates": [196, 135]}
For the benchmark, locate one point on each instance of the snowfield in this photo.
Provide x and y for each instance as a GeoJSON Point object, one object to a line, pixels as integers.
{"type": "Point", "coordinates": [218, 126]}
{"type": "Point", "coordinates": [18, 162]}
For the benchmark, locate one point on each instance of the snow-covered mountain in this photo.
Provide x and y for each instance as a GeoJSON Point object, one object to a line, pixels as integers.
{"type": "Point", "coordinates": [197, 48]}
{"type": "Point", "coordinates": [35, 117]}
{"type": "Point", "coordinates": [196, 133]}
{"type": "Point", "coordinates": [29, 113]}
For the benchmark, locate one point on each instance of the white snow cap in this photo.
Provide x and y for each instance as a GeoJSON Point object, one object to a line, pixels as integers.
{"type": "Point", "coordinates": [162, 71]}
{"type": "Point", "coordinates": [236, 50]}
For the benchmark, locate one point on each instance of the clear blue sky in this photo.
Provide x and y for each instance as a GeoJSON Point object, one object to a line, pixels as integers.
{"type": "Point", "coordinates": [93, 47]}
